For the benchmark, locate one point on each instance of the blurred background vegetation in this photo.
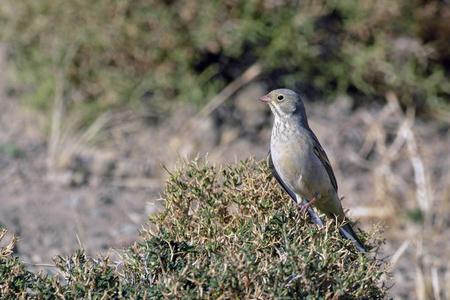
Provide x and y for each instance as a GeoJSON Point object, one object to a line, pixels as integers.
{"type": "Point", "coordinates": [104, 55]}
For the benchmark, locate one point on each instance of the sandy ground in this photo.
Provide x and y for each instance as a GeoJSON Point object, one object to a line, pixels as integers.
{"type": "Point", "coordinates": [103, 193]}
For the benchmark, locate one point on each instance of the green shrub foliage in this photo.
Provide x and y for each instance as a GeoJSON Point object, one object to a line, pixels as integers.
{"type": "Point", "coordinates": [106, 54]}
{"type": "Point", "coordinates": [225, 233]}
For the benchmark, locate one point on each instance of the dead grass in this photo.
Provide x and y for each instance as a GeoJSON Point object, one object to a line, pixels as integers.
{"type": "Point", "coordinates": [410, 196]}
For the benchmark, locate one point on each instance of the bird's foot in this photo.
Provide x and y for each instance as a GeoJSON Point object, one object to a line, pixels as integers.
{"type": "Point", "coordinates": [304, 208]}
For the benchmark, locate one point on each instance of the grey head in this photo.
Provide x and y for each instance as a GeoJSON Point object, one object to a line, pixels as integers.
{"type": "Point", "coordinates": [286, 105]}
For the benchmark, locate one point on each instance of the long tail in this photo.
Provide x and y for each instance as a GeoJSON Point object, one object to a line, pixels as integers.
{"type": "Point", "coordinates": [348, 233]}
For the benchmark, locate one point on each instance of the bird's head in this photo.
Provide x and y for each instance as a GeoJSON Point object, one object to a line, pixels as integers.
{"type": "Point", "coordinates": [285, 104]}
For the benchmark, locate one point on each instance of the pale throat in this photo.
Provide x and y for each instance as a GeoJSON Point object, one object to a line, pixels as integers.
{"type": "Point", "coordinates": [282, 129]}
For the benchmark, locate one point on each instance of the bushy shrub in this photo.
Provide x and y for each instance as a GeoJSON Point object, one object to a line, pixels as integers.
{"type": "Point", "coordinates": [225, 233]}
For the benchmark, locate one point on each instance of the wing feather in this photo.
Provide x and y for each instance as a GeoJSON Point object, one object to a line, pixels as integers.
{"type": "Point", "coordinates": [318, 150]}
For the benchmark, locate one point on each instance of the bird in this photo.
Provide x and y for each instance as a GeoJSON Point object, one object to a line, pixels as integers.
{"type": "Point", "coordinates": [299, 163]}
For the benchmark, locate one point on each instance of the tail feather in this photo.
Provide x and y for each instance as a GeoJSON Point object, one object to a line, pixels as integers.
{"type": "Point", "coordinates": [348, 233]}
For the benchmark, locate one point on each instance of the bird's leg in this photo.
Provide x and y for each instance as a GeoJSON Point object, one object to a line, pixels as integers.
{"type": "Point", "coordinates": [304, 207]}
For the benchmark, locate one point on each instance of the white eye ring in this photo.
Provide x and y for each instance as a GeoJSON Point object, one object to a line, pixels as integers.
{"type": "Point", "coordinates": [280, 97]}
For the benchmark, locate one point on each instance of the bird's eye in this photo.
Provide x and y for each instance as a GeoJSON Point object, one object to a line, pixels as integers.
{"type": "Point", "coordinates": [280, 97]}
